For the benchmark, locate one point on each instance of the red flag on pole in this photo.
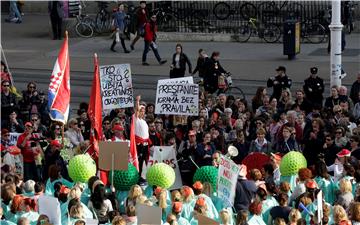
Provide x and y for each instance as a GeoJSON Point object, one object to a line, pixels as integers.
{"type": "Point", "coordinates": [133, 153]}
{"type": "Point", "coordinates": [95, 112]}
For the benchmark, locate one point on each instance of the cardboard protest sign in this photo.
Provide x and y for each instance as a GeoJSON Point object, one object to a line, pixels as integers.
{"type": "Point", "coordinates": [177, 99]}
{"type": "Point", "coordinates": [50, 206]}
{"type": "Point", "coordinates": [149, 215]}
{"type": "Point", "coordinates": [116, 86]}
{"type": "Point", "coordinates": [13, 138]}
{"type": "Point", "coordinates": [167, 155]}
{"type": "Point", "coordinates": [203, 220]}
{"type": "Point", "coordinates": [118, 150]}
{"type": "Point", "coordinates": [181, 80]}
{"type": "Point", "coordinates": [227, 179]}
{"type": "Point", "coordinates": [319, 199]}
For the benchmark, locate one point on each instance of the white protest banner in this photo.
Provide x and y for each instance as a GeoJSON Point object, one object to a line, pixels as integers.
{"type": "Point", "coordinates": [50, 206]}
{"type": "Point", "coordinates": [13, 138]}
{"type": "Point", "coordinates": [319, 199]}
{"type": "Point", "coordinates": [167, 154]}
{"type": "Point", "coordinates": [181, 80]}
{"type": "Point", "coordinates": [227, 178]}
{"type": "Point", "coordinates": [116, 86]}
{"type": "Point", "coordinates": [177, 99]}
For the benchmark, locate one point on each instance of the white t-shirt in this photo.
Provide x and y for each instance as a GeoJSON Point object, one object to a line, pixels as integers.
{"type": "Point", "coordinates": [141, 128]}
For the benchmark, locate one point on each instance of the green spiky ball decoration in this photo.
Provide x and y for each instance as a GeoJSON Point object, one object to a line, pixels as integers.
{"type": "Point", "coordinates": [160, 175]}
{"type": "Point", "coordinates": [291, 163]}
{"type": "Point", "coordinates": [81, 168]}
{"type": "Point", "coordinates": [124, 179]}
{"type": "Point", "coordinates": [207, 174]}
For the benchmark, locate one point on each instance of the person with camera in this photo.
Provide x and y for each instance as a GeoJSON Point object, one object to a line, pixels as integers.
{"type": "Point", "coordinates": [29, 149]}
{"type": "Point", "coordinates": [38, 127]}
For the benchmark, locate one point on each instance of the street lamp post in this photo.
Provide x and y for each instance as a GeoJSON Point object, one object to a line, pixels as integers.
{"type": "Point", "coordinates": [335, 50]}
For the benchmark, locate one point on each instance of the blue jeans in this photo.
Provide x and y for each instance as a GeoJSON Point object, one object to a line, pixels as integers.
{"type": "Point", "coordinates": [14, 11]}
{"type": "Point", "coordinates": [154, 49]}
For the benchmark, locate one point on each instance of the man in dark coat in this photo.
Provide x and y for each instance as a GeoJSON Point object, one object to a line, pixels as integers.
{"type": "Point", "coordinates": [245, 191]}
{"type": "Point", "coordinates": [355, 90]}
{"type": "Point", "coordinates": [214, 70]}
{"type": "Point", "coordinates": [279, 82]}
{"type": "Point", "coordinates": [314, 87]}
{"type": "Point", "coordinates": [56, 12]}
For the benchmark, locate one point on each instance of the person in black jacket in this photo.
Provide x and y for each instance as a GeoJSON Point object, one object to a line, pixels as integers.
{"type": "Point", "coordinates": [213, 71]}
{"type": "Point", "coordinates": [179, 61]}
{"type": "Point", "coordinates": [200, 64]}
{"type": "Point", "coordinates": [56, 12]}
{"type": "Point", "coordinates": [279, 82]}
{"type": "Point", "coordinates": [314, 87]}
{"type": "Point", "coordinates": [245, 191]}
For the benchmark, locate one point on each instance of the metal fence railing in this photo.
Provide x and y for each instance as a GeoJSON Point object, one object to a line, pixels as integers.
{"type": "Point", "coordinates": [224, 17]}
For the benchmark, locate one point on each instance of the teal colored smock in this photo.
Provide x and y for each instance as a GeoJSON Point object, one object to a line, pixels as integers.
{"type": "Point", "coordinates": [64, 212]}
{"type": "Point", "coordinates": [6, 209]}
{"type": "Point", "coordinates": [328, 188]}
{"type": "Point", "coordinates": [121, 196]}
{"type": "Point", "coordinates": [267, 205]}
{"type": "Point", "coordinates": [49, 189]}
{"type": "Point", "coordinates": [85, 195]}
{"type": "Point", "coordinates": [312, 208]}
{"type": "Point", "coordinates": [31, 216]}
{"type": "Point", "coordinates": [28, 194]}
{"type": "Point", "coordinates": [188, 208]}
{"type": "Point", "coordinates": [212, 212]}
{"type": "Point", "coordinates": [6, 222]}
{"type": "Point", "coordinates": [256, 220]}
{"type": "Point", "coordinates": [182, 221]}
{"type": "Point", "coordinates": [291, 180]}
{"type": "Point", "coordinates": [148, 192]}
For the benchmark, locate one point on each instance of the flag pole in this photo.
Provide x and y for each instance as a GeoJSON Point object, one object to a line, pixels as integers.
{"type": "Point", "coordinates": [62, 135]}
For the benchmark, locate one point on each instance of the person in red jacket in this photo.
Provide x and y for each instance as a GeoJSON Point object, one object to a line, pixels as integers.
{"type": "Point", "coordinates": [149, 38]}
{"type": "Point", "coordinates": [29, 149]}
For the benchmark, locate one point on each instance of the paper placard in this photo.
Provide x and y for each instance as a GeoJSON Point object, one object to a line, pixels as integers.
{"type": "Point", "coordinates": [13, 138]}
{"type": "Point", "coordinates": [177, 99]}
{"type": "Point", "coordinates": [167, 155]}
{"type": "Point", "coordinates": [50, 206]}
{"type": "Point", "coordinates": [319, 199]}
{"type": "Point", "coordinates": [227, 179]}
{"type": "Point", "coordinates": [149, 215]}
{"type": "Point", "coordinates": [181, 80]}
{"type": "Point", "coordinates": [203, 220]}
{"type": "Point", "coordinates": [120, 150]}
{"type": "Point", "coordinates": [116, 86]}
{"type": "Point", "coordinates": [91, 221]}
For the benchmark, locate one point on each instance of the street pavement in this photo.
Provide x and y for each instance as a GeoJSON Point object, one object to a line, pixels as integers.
{"type": "Point", "coordinates": [31, 54]}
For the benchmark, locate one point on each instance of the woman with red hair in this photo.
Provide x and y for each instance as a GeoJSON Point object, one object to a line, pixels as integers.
{"type": "Point", "coordinates": [255, 209]}
{"type": "Point", "coordinates": [23, 207]}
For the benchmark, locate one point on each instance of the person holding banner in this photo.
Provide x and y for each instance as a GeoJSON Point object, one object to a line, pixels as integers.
{"type": "Point", "coordinates": [179, 61]}
{"type": "Point", "coordinates": [141, 135]}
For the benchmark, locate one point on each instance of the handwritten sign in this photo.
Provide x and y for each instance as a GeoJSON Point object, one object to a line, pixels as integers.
{"type": "Point", "coordinates": [177, 99]}
{"type": "Point", "coordinates": [167, 155]}
{"type": "Point", "coordinates": [116, 86]}
{"type": "Point", "coordinates": [13, 138]}
{"type": "Point", "coordinates": [227, 178]}
{"type": "Point", "coordinates": [181, 80]}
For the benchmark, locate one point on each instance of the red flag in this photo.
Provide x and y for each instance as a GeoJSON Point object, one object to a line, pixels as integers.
{"type": "Point", "coordinates": [95, 112]}
{"type": "Point", "coordinates": [59, 88]}
{"type": "Point", "coordinates": [133, 153]}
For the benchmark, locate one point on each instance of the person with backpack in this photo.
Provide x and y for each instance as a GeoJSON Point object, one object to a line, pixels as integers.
{"type": "Point", "coordinates": [149, 39]}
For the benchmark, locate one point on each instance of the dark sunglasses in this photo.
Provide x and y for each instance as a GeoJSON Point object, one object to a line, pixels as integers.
{"type": "Point", "coordinates": [34, 120]}
{"type": "Point", "coordinates": [6, 85]}
{"type": "Point", "coordinates": [33, 87]}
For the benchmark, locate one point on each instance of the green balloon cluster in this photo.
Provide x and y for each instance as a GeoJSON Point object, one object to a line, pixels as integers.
{"type": "Point", "coordinates": [124, 179]}
{"type": "Point", "coordinates": [207, 174]}
{"type": "Point", "coordinates": [160, 175]}
{"type": "Point", "coordinates": [81, 168]}
{"type": "Point", "coordinates": [291, 163]}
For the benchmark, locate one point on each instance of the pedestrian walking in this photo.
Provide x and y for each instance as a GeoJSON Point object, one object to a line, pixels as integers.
{"type": "Point", "coordinates": [179, 61]}
{"type": "Point", "coordinates": [141, 19]}
{"type": "Point", "coordinates": [314, 87]}
{"type": "Point", "coordinates": [279, 82]}
{"type": "Point", "coordinates": [149, 39]}
{"type": "Point", "coordinates": [56, 12]}
{"type": "Point", "coordinates": [14, 13]}
{"type": "Point", "coordinates": [213, 71]}
{"type": "Point", "coordinates": [119, 25]}
{"type": "Point", "coordinates": [200, 64]}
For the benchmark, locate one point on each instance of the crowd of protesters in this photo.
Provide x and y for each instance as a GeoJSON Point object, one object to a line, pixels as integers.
{"type": "Point", "coordinates": [326, 129]}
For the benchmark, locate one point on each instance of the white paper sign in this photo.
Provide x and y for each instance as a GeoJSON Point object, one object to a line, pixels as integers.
{"type": "Point", "coordinates": [227, 179]}
{"type": "Point", "coordinates": [319, 199]}
{"type": "Point", "coordinates": [182, 80]}
{"type": "Point", "coordinates": [116, 86]}
{"type": "Point", "coordinates": [50, 206]}
{"type": "Point", "coordinates": [13, 138]}
{"type": "Point", "coordinates": [177, 99]}
{"type": "Point", "coordinates": [167, 155]}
